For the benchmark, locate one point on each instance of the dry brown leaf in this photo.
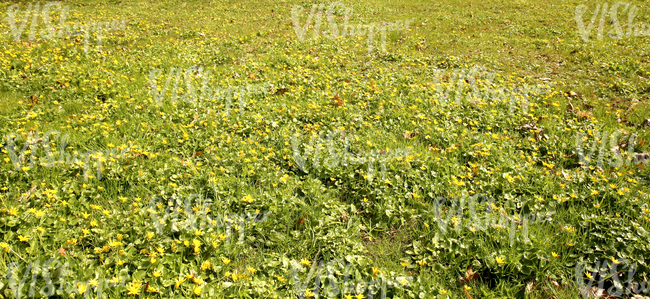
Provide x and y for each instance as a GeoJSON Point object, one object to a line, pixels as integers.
{"type": "Point", "coordinates": [596, 293]}
{"type": "Point", "coordinates": [469, 276]}
{"type": "Point", "coordinates": [337, 100]}
{"type": "Point", "coordinates": [409, 135]}
{"type": "Point", "coordinates": [280, 91]}
{"type": "Point", "coordinates": [529, 286]}
{"type": "Point", "coordinates": [467, 294]}
{"type": "Point", "coordinates": [557, 285]}
{"type": "Point", "coordinates": [301, 220]}
{"type": "Point", "coordinates": [62, 251]}
{"type": "Point", "coordinates": [584, 114]}
{"type": "Point", "coordinates": [28, 193]}
{"type": "Point", "coordinates": [569, 107]}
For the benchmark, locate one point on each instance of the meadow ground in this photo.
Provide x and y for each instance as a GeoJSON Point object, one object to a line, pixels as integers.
{"type": "Point", "coordinates": [246, 149]}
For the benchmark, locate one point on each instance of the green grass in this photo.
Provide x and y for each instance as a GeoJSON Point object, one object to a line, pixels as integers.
{"type": "Point", "coordinates": [525, 159]}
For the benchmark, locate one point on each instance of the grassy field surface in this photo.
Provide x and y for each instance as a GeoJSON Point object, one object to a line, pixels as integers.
{"type": "Point", "coordinates": [258, 149]}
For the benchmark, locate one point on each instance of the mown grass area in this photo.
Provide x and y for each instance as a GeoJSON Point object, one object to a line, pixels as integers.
{"type": "Point", "coordinates": [384, 165]}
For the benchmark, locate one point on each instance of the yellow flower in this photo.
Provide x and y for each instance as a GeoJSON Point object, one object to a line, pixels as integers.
{"type": "Point", "coordinates": [422, 262]}
{"type": "Point", "coordinates": [225, 260]}
{"type": "Point", "coordinates": [444, 292]}
{"type": "Point", "coordinates": [280, 278]}
{"type": "Point", "coordinates": [150, 235]}
{"type": "Point", "coordinates": [115, 243]}
{"type": "Point", "coordinates": [404, 264]}
{"type": "Point", "coordinates": [134, 288]}
{"type": "Point", "coordinates": [39, 213]}
{"type": "Point", "coordinates": [467, 288]}
{"type": "Point", "coordinates": [85, 215]}
{"type": "Point", "coordinates": [179, 282]}
{"type": "Point", "coordinates": [500, 260]}
{"type": "Point", "coordinates": [196, 243]}
{"type": "Point", "coordinates": [13, 211]}
{"type": "Point", "coordinates": [82, 287]}
{"type": "Point", "coordinates": [348, 296]}
{"type": "Point", "coordinates": [23, 239]}
{"type": "Point", "coordinates": [305, 262]}
{"type": "Point", "coordinates": [157, 273]}
{"type": "Point", "coordinates": [205, 265]}
{"type": "Point", "coordinates": [93, 223]}
{"type": "Point", "coordinates": [554, 254]}
{"type": "Point", "coordinates": [4, 246]}
{"type": "Point", "coordinates": [359, 296]}
{"type": "Point", "coordinates": [248, 199]}
{"type": "Point", "coordinates": [197, 290]}
{"type": "Point", "coordinates": [404, 282]}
